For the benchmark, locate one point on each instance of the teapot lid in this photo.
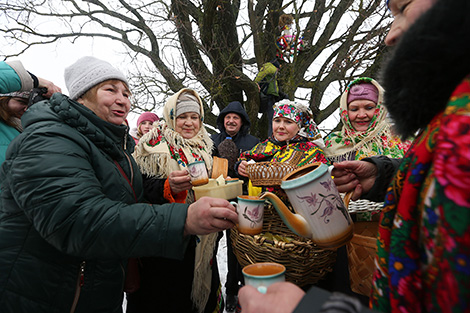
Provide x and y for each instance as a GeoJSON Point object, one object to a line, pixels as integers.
{"type": "Point", "coordinates": [304, 175]}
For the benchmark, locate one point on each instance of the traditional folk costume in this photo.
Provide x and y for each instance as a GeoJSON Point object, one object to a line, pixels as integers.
{"type": "Point", "coordinates": [161, 151]}
{"type": "Point", "coordinates": [304, 148]}
{"type": "Point", "coordinates": [378, 139]}
{"type": "Point", "coordinates": [423, 260]}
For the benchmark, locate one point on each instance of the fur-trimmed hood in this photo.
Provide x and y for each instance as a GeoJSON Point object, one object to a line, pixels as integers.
{"type": "Point", "coordinates": [428, 63]}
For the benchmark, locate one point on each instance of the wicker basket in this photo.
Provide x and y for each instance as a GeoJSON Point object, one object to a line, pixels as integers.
{"type": "Point", "coordinates": [305, 263]}
{"type": "Point", "coordinates": [268, 173]}
{"type": "Point", "coordinates": [361, 256]}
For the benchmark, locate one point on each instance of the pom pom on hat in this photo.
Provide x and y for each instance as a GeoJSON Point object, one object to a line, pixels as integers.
{"type": "Point", "coordinates": [187, 102]}
{"type": "Point", "coordinates": [147, 116]}
{"type": "Point", "coordinates": [87, 72]}
{"type": "Point", "coordinates": [364, 91]}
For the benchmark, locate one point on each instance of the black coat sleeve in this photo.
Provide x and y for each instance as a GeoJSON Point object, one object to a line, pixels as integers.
{"type": "Point", "coordinates": [153, 189]}
{"type": "Point", "coordinates": [386, 168]}
{"type": "Point", "coordinates": [319, 300]}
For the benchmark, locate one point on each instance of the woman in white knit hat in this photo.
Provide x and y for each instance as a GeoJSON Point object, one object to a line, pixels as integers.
{"type": "Point", "coordinates": [71, 212]}
{"type": "Point", "coordinates": [191, 285]}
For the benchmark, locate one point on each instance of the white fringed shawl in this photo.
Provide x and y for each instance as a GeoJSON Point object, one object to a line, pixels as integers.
{"type": "Point", "coordinates": [158, 153]}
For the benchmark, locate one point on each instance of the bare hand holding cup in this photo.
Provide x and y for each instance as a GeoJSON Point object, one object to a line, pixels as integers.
{"type": "Point", "coordinates": [280, 298]}
{"type": "Point", "coordinates": [179, 181]}
{"type": "Point", "coordinates": [354, 175]}
{"type": "Point", "coordinates": [209, 215]}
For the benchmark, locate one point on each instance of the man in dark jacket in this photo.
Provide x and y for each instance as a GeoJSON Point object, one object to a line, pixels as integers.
{"type": "Point", "coordinates": [233, 122]}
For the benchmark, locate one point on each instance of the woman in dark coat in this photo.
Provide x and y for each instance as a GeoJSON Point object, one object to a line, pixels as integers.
{"type": "Point", "coordinates": [70, 211]}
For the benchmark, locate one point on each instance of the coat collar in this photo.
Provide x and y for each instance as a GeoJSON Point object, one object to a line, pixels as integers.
{"type": "Point", "coordinates": [110, 138]}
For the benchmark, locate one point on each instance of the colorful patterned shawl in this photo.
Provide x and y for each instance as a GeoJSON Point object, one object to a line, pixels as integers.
{"type": "Point", "coordinates": [349, 144]}
{"type": "Point", "coordinates": [423, 261]}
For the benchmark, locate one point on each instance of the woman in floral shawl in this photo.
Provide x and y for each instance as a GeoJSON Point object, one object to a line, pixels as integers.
{"type": "Point", "coordinates": [190, 285]}
{"type": "Point", "coordinates": [365, 131]}
{"type": "Point", "coordinates": [295, 140]}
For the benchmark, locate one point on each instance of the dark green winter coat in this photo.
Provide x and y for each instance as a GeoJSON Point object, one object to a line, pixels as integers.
{"type": "Point", "coordinates": [68, 217]}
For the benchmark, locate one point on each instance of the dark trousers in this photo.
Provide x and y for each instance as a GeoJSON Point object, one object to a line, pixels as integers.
{"type": "Point", "coordinates": [234, 270]}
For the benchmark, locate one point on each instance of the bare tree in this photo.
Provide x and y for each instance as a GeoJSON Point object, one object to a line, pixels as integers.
{"type": "Point", "coordinates": [217, 46]}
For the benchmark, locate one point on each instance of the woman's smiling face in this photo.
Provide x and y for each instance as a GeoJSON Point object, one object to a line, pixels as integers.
{"type": "Point", "coordinates": [188, 124]}
{"type": "Point", "coordinates": [360, 113]}
{"type": "Point", "coordinates": [110, 101]}
{"type": "Point", "coordinates": [284, 128]}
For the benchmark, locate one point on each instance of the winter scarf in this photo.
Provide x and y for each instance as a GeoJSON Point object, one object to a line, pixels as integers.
{"type": "Point", "coordinates": [163, 150]}
{"type": "Point", "coordinates": [349, 144]}
{"type": "Point", "coordinates": [423, 259]}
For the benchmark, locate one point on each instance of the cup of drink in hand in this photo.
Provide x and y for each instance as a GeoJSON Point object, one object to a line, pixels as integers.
{"type": "Point", "coordinates": [198, 172]}
{"type": "Point", "coordinates": [262, 275]}
{"type": "Point", "coordinates": [250, 214]}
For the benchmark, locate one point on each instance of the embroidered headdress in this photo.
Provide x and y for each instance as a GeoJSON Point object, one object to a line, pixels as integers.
{"type": "Point", "coordinates": [302, 116]}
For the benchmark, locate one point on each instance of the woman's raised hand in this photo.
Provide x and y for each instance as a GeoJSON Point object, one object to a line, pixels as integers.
{"type": "Point", "coordinates": [242, 168]}
{"type": "Point", "coordinates": [179, 181]}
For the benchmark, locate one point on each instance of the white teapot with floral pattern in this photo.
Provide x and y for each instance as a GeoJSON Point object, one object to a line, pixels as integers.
{"type": "Point", "coordinates": [321, 215]}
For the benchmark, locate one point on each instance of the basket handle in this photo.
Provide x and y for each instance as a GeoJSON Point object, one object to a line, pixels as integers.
{"type": "Point", "coordinates": [347, 198]}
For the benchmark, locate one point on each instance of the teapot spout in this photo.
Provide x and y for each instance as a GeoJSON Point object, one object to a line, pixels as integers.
{"type": "Point", "coordinates": [295, 222]}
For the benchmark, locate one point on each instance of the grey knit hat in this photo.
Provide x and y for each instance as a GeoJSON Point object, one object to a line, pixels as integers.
{"type": "Point", "coordinates": [88, 72]}
{"type": "Point", "coordinates": [187, 102]}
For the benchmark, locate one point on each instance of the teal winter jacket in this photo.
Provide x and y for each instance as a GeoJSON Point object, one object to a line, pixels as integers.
{"type": "Point", "coordinates": [7, 133]}
{"type": "Point", "coordinates": [68, 213]}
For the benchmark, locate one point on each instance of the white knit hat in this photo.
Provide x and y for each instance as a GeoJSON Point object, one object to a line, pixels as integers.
{"type": "Point", "coordinates": [88, 72]}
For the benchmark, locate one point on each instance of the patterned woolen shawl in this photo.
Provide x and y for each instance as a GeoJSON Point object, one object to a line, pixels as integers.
{"type": "Point", "coordinates": [423, 257]}
{"type": "Point", "coordinates": [378, 139]}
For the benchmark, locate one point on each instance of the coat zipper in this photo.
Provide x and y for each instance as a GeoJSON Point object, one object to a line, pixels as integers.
{"type": "Point", "coordinates": [80, 282]}
{"type": "Point", "coordinates": [130, 168]}
{"type": "Point", "coordinates": [127, 157]}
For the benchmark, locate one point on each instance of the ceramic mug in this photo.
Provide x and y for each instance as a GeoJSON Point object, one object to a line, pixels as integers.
{"type": "Point", "coordinates": [250, 214]}
{"type": "Point", "coordinates": [261, 275]}
{"type": "Point", "coordinates": [198, 172]}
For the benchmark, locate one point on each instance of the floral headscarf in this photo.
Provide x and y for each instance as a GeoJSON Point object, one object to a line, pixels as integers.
{"type": "Point", "coordinates": [378, 139]}
{"type": "Point", "coordinates": [302, 116]}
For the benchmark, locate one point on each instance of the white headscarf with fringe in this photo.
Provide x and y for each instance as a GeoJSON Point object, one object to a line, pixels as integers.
{"type": "Point", "coordinates": [157, 156]}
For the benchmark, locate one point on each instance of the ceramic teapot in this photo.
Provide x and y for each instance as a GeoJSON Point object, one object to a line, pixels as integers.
{"type": "Point", "coordinates": [321, 215]}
